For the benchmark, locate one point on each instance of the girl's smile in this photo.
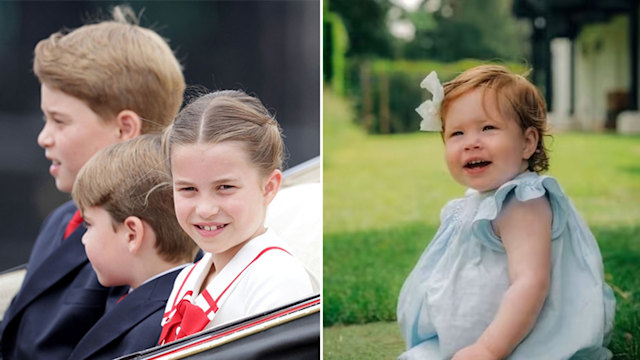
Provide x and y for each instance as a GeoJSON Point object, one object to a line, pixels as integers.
{"type": "Point", "coordinates": [476, 166]}
{"type": "Point", "coordinates": [210, 230]}
{"type": "Point", "coordinates": [484, 148]}
{"type": "Point", "coordinates": [220, 197]}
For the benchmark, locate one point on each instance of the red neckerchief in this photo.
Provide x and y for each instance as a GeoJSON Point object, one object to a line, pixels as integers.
{"type": "Point", "coordinates": [73, 224]}
{"type": "Point", "coordinates": [187, 318]}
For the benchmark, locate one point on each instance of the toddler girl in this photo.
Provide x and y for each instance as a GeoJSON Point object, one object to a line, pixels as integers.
{"type": "Point", "coordinates": [513, 271]}
{"type": "Point", "coordinates": [225, 152]}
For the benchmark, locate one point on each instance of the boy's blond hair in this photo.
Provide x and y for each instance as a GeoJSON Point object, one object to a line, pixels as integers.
{"type": "Point", "coordinates": [130, 179]}
{"type": "Point", "coordinates": [113, 66]}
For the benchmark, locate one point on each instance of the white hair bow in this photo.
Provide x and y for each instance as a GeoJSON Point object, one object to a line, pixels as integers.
{"type": "Point", "coordinates": [430, 109]}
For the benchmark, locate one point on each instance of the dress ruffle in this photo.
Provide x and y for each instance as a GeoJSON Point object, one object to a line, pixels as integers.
{"type": "Point", "coordinates": [527, 186]}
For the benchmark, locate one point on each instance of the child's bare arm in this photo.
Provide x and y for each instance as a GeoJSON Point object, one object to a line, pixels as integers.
{"type": "Point", "coordinates": [525, 230]}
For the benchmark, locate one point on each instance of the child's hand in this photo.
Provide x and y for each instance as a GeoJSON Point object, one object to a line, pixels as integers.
{"type": "Point", "coordinates": [474, 352]}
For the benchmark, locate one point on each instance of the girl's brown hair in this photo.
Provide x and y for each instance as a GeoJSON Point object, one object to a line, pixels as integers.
{"type": "Point", "coordinates": [230, 115]}
{"type": "Point", "coordinates": [517, 98]}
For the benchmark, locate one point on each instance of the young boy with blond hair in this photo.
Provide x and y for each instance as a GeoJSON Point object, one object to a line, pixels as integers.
{"type": "Point", "coordinates": [101, 84]}
{"type": "Point", "coordinates": [133, 238]}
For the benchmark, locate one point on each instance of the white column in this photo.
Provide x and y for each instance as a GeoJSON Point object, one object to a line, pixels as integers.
{"type": "Point", "coordinates": [561, 82]}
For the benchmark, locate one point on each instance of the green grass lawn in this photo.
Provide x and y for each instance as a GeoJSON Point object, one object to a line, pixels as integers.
{"type": "Point", "coordinates": [382, 199]}
{"type": "Point", "coordinates": [357, 342]}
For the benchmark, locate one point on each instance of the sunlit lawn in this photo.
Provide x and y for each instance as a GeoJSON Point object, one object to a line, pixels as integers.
{"type": "Point", "coordinates": [382, 198]}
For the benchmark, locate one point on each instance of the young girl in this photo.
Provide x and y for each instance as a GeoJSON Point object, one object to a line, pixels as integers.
{"type": "Point", "coordinates": [225, 152]}
{"type": "Point", "coordinates": [513, 271]}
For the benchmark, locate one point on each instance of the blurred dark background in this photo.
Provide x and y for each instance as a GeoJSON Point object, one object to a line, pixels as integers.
{"type": "Point", "coordinates": [270, 49]}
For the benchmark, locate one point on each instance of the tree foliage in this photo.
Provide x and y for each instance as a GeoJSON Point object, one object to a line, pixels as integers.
{"type": "Point", "coordinates": [459, 29]}
{"type": "Point", "coordinates": [365, 21]}
{"type": "Point", "coordinates": [454, 30]}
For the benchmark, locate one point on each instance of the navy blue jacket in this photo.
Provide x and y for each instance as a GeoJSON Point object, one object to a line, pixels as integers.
{"type": "Point", "coordinates": [131, 325]}
{"type": "Point", "coordinates": [60, 298]}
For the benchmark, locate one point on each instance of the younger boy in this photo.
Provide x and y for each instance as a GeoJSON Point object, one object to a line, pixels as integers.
{"type": "Point", "coordinates": [132, 239]}
{"type": "Point", "coordinates": [100, 84]}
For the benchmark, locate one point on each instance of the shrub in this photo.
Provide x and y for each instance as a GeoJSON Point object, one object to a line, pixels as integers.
{"type": "Point", "coordinates": [387, 92]}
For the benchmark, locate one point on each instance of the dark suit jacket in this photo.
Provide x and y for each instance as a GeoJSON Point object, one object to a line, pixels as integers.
{"type": "Point", "coordinates": [131, 325]}
{"type": "Point", "coordinates": [60, 298]}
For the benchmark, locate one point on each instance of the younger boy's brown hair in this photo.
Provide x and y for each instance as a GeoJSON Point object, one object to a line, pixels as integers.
{"type": "Point", "coordinates": [113, 66]}
{"type": "Point", "coordinates": [131, 179]}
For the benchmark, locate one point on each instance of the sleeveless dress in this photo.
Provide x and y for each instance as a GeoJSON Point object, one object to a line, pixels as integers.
{"type": "Point", "coordinates": [456, 288]}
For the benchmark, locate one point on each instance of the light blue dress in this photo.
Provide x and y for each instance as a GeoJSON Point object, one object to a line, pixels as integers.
{"type": "Point", "coordinates": [455, 290]}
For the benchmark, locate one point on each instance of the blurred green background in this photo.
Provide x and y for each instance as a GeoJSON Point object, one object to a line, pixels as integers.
{"type": "Point", "coordinates": [385, 183]}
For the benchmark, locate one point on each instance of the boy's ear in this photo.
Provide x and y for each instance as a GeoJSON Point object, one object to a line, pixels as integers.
{"type": "Point", "coordinates": [272, 185]}
{"type": "Point", "coordinates": [531, 137]}
{"type": "Point", "coordinates": [129, 124]}
{"type": "Point", "coordinates": [134, 232]}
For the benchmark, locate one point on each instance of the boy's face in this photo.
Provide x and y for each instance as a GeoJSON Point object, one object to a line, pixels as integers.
{"type": "Point", "coordinates": [106, 247]}
{"type": "Point", "coordinates": [72, 133]}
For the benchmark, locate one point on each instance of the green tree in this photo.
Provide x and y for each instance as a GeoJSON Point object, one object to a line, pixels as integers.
{"type": "Point", "coordinates": [334, 48]}
{"type": "Point", "coordinates": [459, 29]}
{"type": "Point", "coordinates": [365, 21]}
